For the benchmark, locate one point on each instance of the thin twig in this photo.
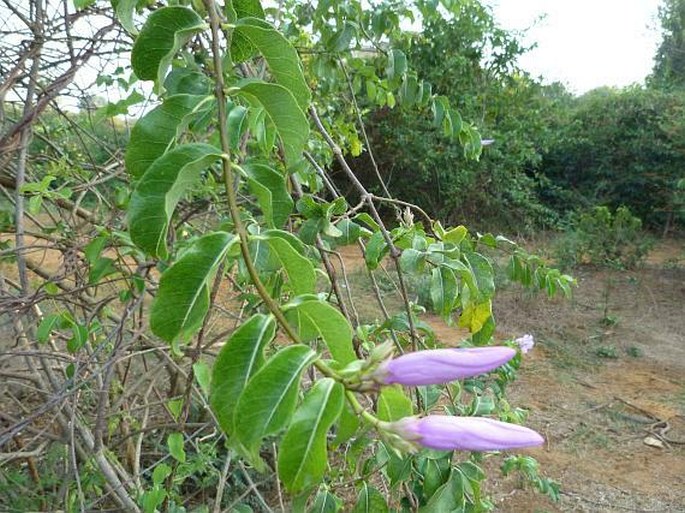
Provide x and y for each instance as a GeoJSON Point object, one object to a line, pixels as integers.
{"type": "Point", "coordinates": [222, 484]}
{"type": "Point", "coordinates": [394, 252]}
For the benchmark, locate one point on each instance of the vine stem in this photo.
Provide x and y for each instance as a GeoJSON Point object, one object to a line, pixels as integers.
{"type": "Point", "coordinates": [219, 92]}
{"type": "Point", "coordinates": [271, 304]}
{"type": "Point", "coordinates": [360, 410]}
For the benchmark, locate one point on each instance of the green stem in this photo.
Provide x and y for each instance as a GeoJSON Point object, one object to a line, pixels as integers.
{"type": "Point", "coordinates": [360, 410]}
{"type": "Point", "coordinates": [227, 167]}
{"type": "Point", "coordinates": [219, 92]}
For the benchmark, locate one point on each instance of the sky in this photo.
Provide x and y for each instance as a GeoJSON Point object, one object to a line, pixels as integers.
{"type": "Point", "coordinates": [585, 43]}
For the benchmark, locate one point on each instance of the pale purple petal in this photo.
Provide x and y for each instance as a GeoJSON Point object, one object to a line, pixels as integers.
{"type": "Point", "coordinates": [526, 343]}
{"type": "Point", "coordinates": [447, 433]}
{"type": "Point", "coordinates": [438, 366]}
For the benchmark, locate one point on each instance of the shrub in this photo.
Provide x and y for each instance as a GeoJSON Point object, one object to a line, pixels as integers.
{"type": "Point", "coordinates": [619, 147]}
{"type": "Point", "coordinates": [600, 237]}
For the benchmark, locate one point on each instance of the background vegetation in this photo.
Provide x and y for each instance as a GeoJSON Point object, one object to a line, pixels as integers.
{"type": "Point", "coordinates": [553, 153]}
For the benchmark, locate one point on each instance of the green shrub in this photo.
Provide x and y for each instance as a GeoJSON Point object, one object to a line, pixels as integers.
{"type": "Point", "coordinates": [600, 237]}
{"type": "Point", "coordinates": [619, 147]}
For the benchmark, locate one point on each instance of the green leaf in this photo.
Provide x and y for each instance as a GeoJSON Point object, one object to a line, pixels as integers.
{"type": "Point", "coordinates": [182, 300]}
{"type": "Point", "coordinates": [152, 135]}
{"type": "Point", "coordinates": [280, 55]}
{"type": "Point", "coordinates": [447, 126]}
{"type": "Point", "coordinates": [124, 11]}
{"type": "Point", "coordinates": [412, 260]}
{"type": "Point", "coordinates": [52, 289]}
{"type": "Point", "coordinates": [427, 93]}
{"type": "Point", "coordinates": [101, 268]}
{"type": "Point", "coordinates": [268, 185]}
{"type": "Point", "coordinates": [238, 360]}
{"type": "Point", "coordinates": [455, 235]}
{"type": "Point", "coordinates": [370, 500]}
{"type": "Point", "coordinates": [443, 290]}
{"type": "Point", "coordinates": [347, 426]}
{"type": "Point", "coordinates": [94, 248]}
{"type": "Point", "coordinates": [365, 218]}
{"type": "Point", "coordinates": [282, 255]}
{"type": "Point", "coordinates": [309, 207]}
{"type": "Point", "coordinates": [409, 90]}
{"type": "Point", "coordinates": [268, 401]}
{"type": "Point", "coordinates": [203, 376]}
{"type": "Point", "coordinates": [165, 31]}
{"type": "Point", "coordinates": [283, 110]}
{"type": "Point", "coordinates": [187, 81]}
{"type": "Point", "coordinates": [398, 468]}
{"type": "Point", "coordinates": [242, 508]}
{"type": "Point", "coordinates": [118, 108]}
{"type": "Point", "coordinates": [314, 318]}
{"type": "Point", "coordinates": [435, 474]}
{"type": "Point", "coordinates": [152, 499]}
{"type": "Point", "coordinates": [449, 497]}
{"type": "Point", "coordinates": [397, 65]}
{"type": "Point", "coordinates": [160, 473]}
{"type": "Point", "coordinates": [376, 249]}
{"type": "Point", "coordinates": [325, 502]}
{"type": "Point", "coordinates": [241, 47]}
{"type": "Point", "coordinates": [47, 326]}
{"type": "Point", "coordinates": [336, 208]}
{"type": "Point", "coordinates": [42, 186]}
{"type": "Point", "coordinates": [82, 4]}
{"type": "Point", "coordinates": [78, 339]}
{"type": "Point", "coordinates": [175, 443]}
{"type": "Point", "coordinates": [393, 404]}
{"type": "Point", "coordinates": [160, 189]}
{"type": "Point", "coordinates": [175, 406]}
{"type": "Point", "coordinates": [439, 107]}
{"type": "Point", "coordinates": [237, 125]}
{"type": "Point", "coordinates": [340, 41]}
{"type": "Point", "coordinates": [303, 455]}
{"type": "Point", "coordinates": [483, 272]}
{"type": "Point", "coordinates": [349, 232]}
{"type": "Point", "coordinates": [248, 8]}
{"type": "Point", "coordinates": [471, 471]}
{"type": "Point", "coordinates": [34, 204]}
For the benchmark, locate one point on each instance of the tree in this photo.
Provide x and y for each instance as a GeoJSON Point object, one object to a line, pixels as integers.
{"type": "Point", "coordinates": [669, 61]}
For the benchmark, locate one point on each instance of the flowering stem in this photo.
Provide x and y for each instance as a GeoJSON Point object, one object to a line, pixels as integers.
{"type": "Point", "coordinates": [227, 166]}
{"type": "Point", "coordinates": [361, 411]}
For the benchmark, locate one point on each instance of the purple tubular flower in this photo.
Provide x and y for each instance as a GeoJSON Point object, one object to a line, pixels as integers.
{"type": "Point", "coordinates": [438, 366]}
{"type": "Point", "coordinates": [447, 433]}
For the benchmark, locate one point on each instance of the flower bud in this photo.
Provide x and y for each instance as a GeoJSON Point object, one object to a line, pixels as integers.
{"type": "Point", "coordinates": [448, 433]}
{"type": "Point", "coordinates": [438, 366]}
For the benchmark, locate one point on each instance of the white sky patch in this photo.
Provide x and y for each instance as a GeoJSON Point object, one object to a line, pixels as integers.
{"type": "Point", "coordinates": [585, 43]}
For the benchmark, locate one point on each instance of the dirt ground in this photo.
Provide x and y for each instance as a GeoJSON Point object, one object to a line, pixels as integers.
{"type": "Point", "coordinates": [605, 384]}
